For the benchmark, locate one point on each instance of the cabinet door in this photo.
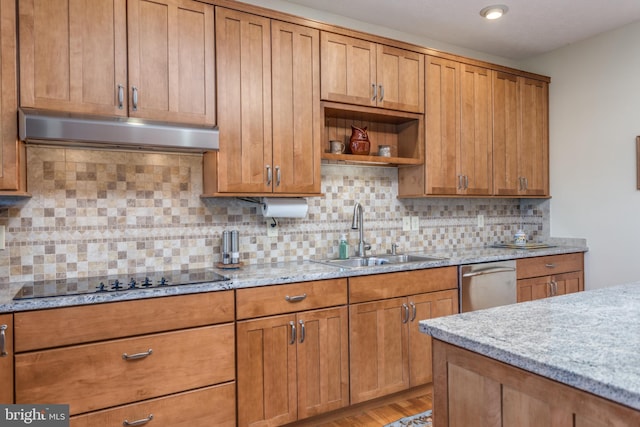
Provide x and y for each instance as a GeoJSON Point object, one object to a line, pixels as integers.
{"type": "Point", "coordinates": [475, 152]}
{"type": "Point", "coordinates": [295, 62]}
{"type": "Point", "coordinates": [506, 122]}
{"type": "Point", "coordinates": [426, 306]}
{"type": "Point", "coordinates": [323, 361]}
{"type": "Point", "coordinates": [6, 358]}
{"type": "Point", "coordinates": [569, 282]}
{"type": "Point", "coordinates": [243, 49]}
{"type": "Point", "coordinates": [348, 69]}
{"type": "Point", "coordinates": [266, 365]}
{"type": "Point", "coordinates": [171, 61]}
{"type": "Point", "coordinates": [73, 55]}
{"type": "Point", "coordinates": [400, 78]}
{"type": "Point", "coordinates": [379, 349]}
{"type": "Point", "coordinates": [11, 152]}
{"type": "Point", "coordinates": [533, 150]}
{"type": "Point", "coordinates": [534, 288]}
{"type": "Point", "coordinates": [442, 125]}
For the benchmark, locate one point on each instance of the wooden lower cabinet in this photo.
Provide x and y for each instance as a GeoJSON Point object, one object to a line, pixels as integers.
{"type": "Point", "coordinates": [172, 358]}
{"type": "Point", "coordinates": [6, 358]}
{"type": "Point", "coordinates": [471, 389]}
{"type": "Point", "coordinates": [547, 276]}
{"type": "Point", "coordinates": [292, 366]}
{"type": "Point", "coordinates": [210, 406]}
{"type": "Point", "coordinates": [388, 352]}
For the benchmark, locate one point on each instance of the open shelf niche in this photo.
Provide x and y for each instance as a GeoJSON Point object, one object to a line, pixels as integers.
{"type": "Point", "coordinates": [402, 131]}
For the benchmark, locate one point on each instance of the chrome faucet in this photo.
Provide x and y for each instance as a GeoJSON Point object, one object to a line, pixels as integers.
{"type": "Point", "coordinates": [357, 224]}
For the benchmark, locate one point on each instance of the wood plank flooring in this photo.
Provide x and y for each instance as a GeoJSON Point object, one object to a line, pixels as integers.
{"type": "Point", "coordinates": [375, 414]}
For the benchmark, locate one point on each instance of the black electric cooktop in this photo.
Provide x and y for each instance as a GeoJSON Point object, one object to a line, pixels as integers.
{"type": "Point", "coordinates": [119, 283]}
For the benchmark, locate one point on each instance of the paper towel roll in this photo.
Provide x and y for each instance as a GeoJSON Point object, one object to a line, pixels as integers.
{"type": "Point", "coordinates": [274, 207]}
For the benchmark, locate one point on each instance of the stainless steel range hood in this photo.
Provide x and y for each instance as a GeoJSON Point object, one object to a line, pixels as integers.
{"type": "Point", "coordinates": [52, 128]}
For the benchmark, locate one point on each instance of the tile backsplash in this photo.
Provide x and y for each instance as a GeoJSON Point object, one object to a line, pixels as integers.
{"type": "Point", "coordinates": [108, 212]}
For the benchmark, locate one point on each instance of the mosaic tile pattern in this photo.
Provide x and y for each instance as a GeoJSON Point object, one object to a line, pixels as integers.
{"type": "Point", "coordinates": [107, 212]}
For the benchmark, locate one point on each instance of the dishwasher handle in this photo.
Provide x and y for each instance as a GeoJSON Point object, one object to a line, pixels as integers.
{"type": "Point", "coordinates": [491, 270]}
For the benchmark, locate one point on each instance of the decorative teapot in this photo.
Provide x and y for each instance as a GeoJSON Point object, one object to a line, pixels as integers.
{"type": "Point", "coordinates": [359, 142]}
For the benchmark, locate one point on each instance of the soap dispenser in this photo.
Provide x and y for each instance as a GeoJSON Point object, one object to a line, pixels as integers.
{"type": "Point", "coordinates": [343, 247]}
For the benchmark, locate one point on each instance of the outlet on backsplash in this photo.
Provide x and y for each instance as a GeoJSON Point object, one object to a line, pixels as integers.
{"type": "Point", "coordinates": [406, 223]}
{"type": "Point", "coordinates": [415, 223]}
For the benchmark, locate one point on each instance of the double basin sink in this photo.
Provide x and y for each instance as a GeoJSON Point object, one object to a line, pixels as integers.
{"type": "Point", "coordinates": [372, 261]}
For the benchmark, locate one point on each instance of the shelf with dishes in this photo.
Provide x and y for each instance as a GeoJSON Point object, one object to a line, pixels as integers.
{"type": "Point", "coordinates": [401, 132]}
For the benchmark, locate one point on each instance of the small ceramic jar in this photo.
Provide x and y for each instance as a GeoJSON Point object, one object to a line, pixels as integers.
{"type": "Point", "coordinates": [520, 238]}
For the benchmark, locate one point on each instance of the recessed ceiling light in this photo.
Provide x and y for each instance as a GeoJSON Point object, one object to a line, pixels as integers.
{"type": "Point", "coordinates": [494, 12]}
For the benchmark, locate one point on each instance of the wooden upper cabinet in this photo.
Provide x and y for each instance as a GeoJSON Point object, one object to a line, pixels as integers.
{"type": "Point", "coordinates": [138, 58]}
{"type": "Point", "coordinates": [520, 135]}
{"type": "Point", "coordinates": [270, 126]}
{"type": "Point", "coordinates": [297, 127]}
{"type": "Point", "coordinates": [171, 61]}
{"type": "Point", "coordinates": [73, 55]}
{"type": "Point", "coordinates": [442, 125]}
{"type": "Point", "coordinates": [400, 75]}
{"type": "Point", "coordinates": [12, 153]}
{"type": "Point", "coordinates": [475, 155]}
{"type": "Point", "coordinates": [533, 156]}
{"type": "Point", "coordinates": [356, 71]}
{"type": "Point", "coordinates": [458, 128]}
{"type": "Point", "coordinates": [348, 69]}
{"type": "Point", "coordinates": [243, 50]}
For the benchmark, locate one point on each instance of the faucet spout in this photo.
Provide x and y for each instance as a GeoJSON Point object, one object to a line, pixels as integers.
{"type": "Point", "coordinates": [357, 224]}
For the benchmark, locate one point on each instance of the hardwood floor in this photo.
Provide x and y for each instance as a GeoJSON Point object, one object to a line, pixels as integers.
{"type": "Point", "coordinates": [375, 413]}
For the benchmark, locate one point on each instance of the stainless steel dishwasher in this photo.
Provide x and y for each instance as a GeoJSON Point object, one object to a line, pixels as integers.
{"type": "Point", "coordinates": [487, 285]}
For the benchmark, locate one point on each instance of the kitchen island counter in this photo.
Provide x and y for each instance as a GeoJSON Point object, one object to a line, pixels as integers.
{"type": "Point", "coordinates": [589, 340]}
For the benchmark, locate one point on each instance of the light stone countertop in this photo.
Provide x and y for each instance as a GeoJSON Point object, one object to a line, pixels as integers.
{"type": "Point", "coordinates": [254, 275]}
{"type": "Point", "coordinates": [587, 340]}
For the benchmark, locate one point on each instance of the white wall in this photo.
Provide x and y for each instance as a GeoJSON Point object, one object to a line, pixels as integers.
{"type": "Point", "coordinates": [594, 120]}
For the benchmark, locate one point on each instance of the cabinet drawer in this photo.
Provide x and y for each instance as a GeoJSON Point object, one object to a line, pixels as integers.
{"type": "Point", "coordinates": [392, 285]}
{"type": "Point", "coordinates": [211, 406]}
{"type": "Point", "coordinates": [547, 265]}
{"type": "Point", "coordinates": [74, 325]}
{"type": "Point", "coordinates": [278, 299]}
{"type": "Point", "coordinates": [96, 376]}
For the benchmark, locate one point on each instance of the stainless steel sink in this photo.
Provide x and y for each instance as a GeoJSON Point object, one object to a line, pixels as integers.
{"type": "Point", "coordinates": [375, 260]}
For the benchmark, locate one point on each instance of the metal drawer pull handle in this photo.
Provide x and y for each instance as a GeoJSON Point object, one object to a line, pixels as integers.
{"type": "Point", "coordinates": [269, 175]}
{"type": "Point", "coordinates": [375, 91]}
{"type": "Point", "coordinates": [141, 422]}
{"type": "Point", "coordinates": [295, 298]}
{"type": "Point", "coordinates": [302, 331]}
{"type": "Point", "coordinates": [381, 93]}
{"type": "Point", "coordinates": [278, 176]}
{"type": "Point", "coordinates": [3, 342]}
{"type": "Point", "coordinates": [550, 265]}
{"type": "Point", "coordinates": [136, 356]}
{"type": "Point", "coordinates": [414, 311]}
{"type": "Point", "coordinates": [405, 318]}
{"type": "Point", "coordinates": [134, 91]}
{"type": "Point", "coordinates": [293, 332]}
{"type": "Point", "coordinates": [120, 97]}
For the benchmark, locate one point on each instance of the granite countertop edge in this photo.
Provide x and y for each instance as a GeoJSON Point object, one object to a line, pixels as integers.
{"type": "Point", "coordinates": [255, 275]}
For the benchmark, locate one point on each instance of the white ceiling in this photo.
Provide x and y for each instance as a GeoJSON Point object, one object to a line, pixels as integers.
{"type": "Point", "coordinates": [530, 28]}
